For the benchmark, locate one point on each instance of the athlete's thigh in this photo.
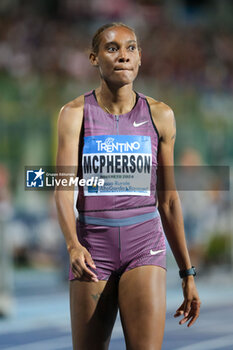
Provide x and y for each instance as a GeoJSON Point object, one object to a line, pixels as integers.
{"type": "Point", "coordinates": [142, 304]}
{"type": "Point", "coordinates": [93, 309]}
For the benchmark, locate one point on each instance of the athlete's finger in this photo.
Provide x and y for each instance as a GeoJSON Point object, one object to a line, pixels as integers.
{"type": "Point", "coordinates": [193, 315]}
{"type": "Point", "coordinates": [192, 321]}
{"type": "Point", "coordinates": [179, 311]}
{"type": "Point", "coordinates": [89, 273]}
{"type": "Point", "coordinates": [195, 311]}
{"type": "Point", "coordinates": [75, 267]}
{"type": "Point", "coordinates": [89, 260]}
{"type": "Point", "coordinates": [185, 319]}
{"type": "Point", "coordinates": [79, 266]}
{"type": "Point", "coordinates": [187, 307]}
{"type": "Point", "coordinates": [77, 271]}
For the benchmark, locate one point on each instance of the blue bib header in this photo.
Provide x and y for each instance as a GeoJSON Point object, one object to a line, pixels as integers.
{"type": "Point", "coordinates": [130, 144]}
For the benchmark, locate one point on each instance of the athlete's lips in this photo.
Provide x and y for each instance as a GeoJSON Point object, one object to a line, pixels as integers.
{"type": "Point", "coordinates": [121, 68]}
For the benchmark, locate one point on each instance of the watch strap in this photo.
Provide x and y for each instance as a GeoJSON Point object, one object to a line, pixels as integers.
{"type": "Point", "coordinates": [188, 272]}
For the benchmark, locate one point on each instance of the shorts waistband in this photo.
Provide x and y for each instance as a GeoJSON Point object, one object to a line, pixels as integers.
{"type": "Point", "coordinates": [118, 222]}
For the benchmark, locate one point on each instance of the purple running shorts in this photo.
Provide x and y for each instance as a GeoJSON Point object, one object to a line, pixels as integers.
{"type": "Point", "coordinates": [117, 249]}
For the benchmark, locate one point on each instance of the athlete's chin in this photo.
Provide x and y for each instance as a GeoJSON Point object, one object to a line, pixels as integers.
{"type": "Point", "coordinates": [121, 82]}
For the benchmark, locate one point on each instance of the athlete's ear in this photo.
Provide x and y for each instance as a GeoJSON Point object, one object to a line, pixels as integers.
{"type": "Point", "coordinates": [93, 59]}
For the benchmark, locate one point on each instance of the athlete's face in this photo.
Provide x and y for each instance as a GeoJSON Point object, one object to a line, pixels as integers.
{"type": "Point", "coordinates": [119, 57]}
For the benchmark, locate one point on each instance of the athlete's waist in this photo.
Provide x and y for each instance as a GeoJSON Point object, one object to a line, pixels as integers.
{"type": "Point", "coordinates": [117, 211]}
{"type": "Point", "coordinates": [118, 221]}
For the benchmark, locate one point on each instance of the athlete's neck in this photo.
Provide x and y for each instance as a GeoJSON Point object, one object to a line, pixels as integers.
{"type": "Point", "coordinates": [116, 100]}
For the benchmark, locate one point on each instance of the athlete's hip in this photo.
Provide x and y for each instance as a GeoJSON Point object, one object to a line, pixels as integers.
{"type": "Point", "coordinates": [130, 239]}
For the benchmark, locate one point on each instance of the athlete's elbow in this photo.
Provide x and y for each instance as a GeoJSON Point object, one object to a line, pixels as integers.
{"type": "Point", "coordinates": [58, 194]}
{"type": "Point", "coordinates": [63, 197]}
{"type": "Point", "coordinates": [166, 203]}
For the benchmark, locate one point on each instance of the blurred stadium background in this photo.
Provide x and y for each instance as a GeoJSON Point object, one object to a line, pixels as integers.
{"type": "Point", "coordinates": [187, 62]}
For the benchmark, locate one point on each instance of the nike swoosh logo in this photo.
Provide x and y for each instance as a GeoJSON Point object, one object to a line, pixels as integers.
{"type": "Point", "coordinates": [154, 252]}
{"type": "Point", "coordinates": [139, 124]}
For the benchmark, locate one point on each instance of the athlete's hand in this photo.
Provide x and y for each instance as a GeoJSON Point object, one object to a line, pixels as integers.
{"type": "Point", "coordinates": [190, 307]}
{"type": "Point", "coordinates": [79, 256]}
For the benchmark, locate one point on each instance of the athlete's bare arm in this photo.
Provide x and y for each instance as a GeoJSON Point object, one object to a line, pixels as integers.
{"type": "Point", "coordinates": [170, 208]}
{"type": "Point", "coordinates": [69, 127]}
{"type": "Point", "coordinates": [168, 198]}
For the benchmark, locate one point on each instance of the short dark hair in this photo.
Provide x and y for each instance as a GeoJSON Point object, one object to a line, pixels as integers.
{"type": "Point", "coordinates": [97, 36]}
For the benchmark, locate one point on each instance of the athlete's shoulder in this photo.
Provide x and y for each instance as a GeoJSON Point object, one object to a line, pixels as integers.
{"type": "Point", "coordinates": [72, 109]}
{"type": "Point", "coordinates": [160, 109]}
{"type": "Point", "coordinates": [71, 114]}
{"type": "Point", "coordinates": [163, 116]}
{"type": "Point", "coordinates": [73, 106]}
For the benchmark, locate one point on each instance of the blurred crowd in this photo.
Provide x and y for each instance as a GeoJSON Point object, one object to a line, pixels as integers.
{"type": "Point", "coordinates": [36, 40]}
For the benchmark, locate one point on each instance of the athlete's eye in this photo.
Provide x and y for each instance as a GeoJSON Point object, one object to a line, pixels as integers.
{"type": "Point", "coordinates": [132, 47]}
{"type": "Point", "coordinates": [112, 49]}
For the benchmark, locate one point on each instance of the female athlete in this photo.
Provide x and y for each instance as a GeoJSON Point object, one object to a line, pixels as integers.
{"type": "Point", "coordinates": [116, 246]}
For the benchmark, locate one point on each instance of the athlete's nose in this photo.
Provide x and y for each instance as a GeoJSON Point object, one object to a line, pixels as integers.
{"type": "Point", "coordinates": [123, 56]}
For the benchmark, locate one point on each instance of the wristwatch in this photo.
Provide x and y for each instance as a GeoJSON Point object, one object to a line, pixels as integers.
{"type": "Point", "coordinates": [189, 272]}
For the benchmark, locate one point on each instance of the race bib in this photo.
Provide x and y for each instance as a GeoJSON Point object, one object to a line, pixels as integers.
{"type": "Point", "coordinates": [122, 161]}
